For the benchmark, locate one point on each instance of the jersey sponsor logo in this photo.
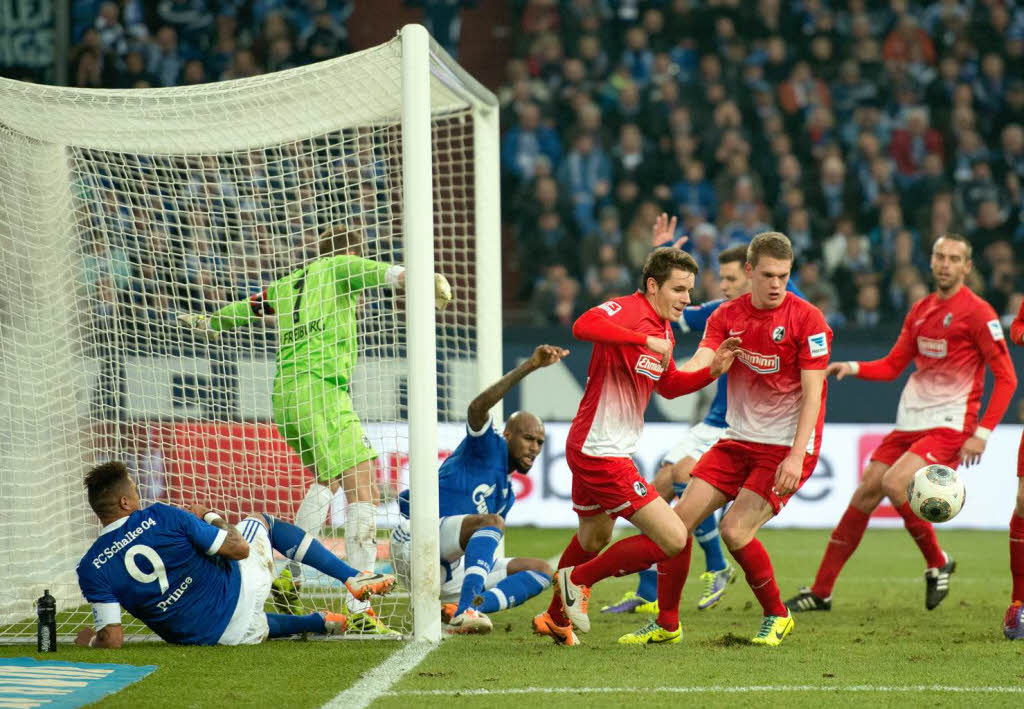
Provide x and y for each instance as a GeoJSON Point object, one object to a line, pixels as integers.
{"type": "Point", "coordinates": [649, 367]}
{"type": "Point", "coordinates": [302, 331]}
{"type": "Point", "coordinates": [947, 320]}
{"type": "Point", "coordinates": [818, 344]}
{"type": "Point", "coordinates": [111, 551]}
{"type": "Point", "coordinates": [640, 489]}
{"type": "Point", "coordinates": [760, 363]}
{"type": "Point", "coordinates": [927, 347]}
{"type": "Point", "coordinates": [778, 333]}
{"type": "Point", "coordinates": [610, 307]}
{"type": "Point", "coordinates": [480, 495]}
{"type": "Point", "coordinates": [995, 329]}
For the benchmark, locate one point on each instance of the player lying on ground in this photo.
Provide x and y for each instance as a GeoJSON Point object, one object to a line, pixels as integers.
{"type": "Point", "coordinates": [674, 474]}
{"type": "Point", "coordinates": [1013, 622]}
{"type": "Point", "coordinates": [776, 414]}
{"type": "Point", "coordinates": [950, 336]}
{"type": "Point", "coordinates": [316, 308]}
{"type": "Point", "coordinates": [193, 579]}
{"type": "Point", "coordinates": [632, 357]}
{"type": "Point", "coordinates": [475, 498]}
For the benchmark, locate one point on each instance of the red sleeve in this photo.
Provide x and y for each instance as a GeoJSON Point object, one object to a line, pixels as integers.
{"type": "Point", "coordinates": [596, 325]}
{"type": "Point", "coordinates": [890, 366]}
{"type": "Point", "coordinates": [675, 383]}
{"type": "Point", "coordinates": [817, 341]}
{"type": "Point", "coordinates": [988, 335]}
{"type": "Point", "coordinates": [1017, 328]}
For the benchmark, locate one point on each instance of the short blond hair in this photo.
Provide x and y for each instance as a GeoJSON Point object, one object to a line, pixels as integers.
{"type": "Point", "coordinates": [773, 244]}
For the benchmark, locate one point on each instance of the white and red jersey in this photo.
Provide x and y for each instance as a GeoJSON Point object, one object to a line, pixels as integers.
{"type": "Point", "coordinates": [949, 341]}
{"type": "Point", "coordinates": [764, 381]}
{"type": "Point", "coordinates": [622, 374]}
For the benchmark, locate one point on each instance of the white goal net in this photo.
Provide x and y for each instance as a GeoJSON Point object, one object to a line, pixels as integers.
{"type": "Point", "coordinates": [121, 211]}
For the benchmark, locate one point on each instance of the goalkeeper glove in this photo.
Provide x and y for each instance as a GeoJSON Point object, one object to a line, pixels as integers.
{"type": "Point", "coordinates": [199, 325]}
{"type": "Point", "coordinates": [442, 292]}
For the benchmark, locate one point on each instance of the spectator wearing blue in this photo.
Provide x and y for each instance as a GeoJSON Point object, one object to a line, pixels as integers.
{"type": "Point", "coordinates": [526, 141]}
{"type": "Point", "coordinates": [637, 57]}
{"type": "Point", "coordinates": [443, 20]}
{"type": "Point", "coordinates": [190, 19]}
{"type": "Point", "coordinates": [585, 176]}
{"type": "Point", "coordinates": [694, 193]}
{"type": "Point", "coordinates": [165, 58]}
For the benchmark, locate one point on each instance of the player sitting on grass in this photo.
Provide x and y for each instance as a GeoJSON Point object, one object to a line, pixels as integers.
{"type": "Point", "coordinates": [316, 309]}
{"type": "Point", "coordinates": [193, 579]}
{"type": "Point", "coordinates": [475, 497]}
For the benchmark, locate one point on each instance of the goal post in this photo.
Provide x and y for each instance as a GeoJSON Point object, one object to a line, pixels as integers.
{"type": "Point", "coordinates": [120, 211]}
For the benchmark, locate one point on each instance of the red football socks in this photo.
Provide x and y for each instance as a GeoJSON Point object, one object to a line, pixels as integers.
{"type": "Point", "coordinates": [1017, 556]}
{"type": "Point", "coordinates": [924, 535]}
{"type": "Point", "coordinates": [573, 555]}
{"type": "Point", "coordinates": [672, 575]}
{"type": "Point", "coordinates": [624, 557]}
{"type": "Point", "coordinates": [754, 561]}
{"type": "Point", "coordinates": [841, 545]}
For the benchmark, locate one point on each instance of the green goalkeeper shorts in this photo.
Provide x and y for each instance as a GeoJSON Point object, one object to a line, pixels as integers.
{"type": "Point", "coordinates": [318, 421]}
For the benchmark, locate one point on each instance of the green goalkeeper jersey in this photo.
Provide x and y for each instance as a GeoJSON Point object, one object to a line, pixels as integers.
{"type": "Point", "coordinates": [316, 315]}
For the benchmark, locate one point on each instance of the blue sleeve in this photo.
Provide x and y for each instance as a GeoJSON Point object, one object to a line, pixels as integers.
{"type": "Point", "coordinates": [486, 444]}
{"type": "Point", "coordinates": [403, 503]}
{"type": "Point", "coordinates": [791, 287]}
{"type": "Point", "coordinates": [204, 537]}
{"type": "Point", "coordinates": [509, 501]}
{"type": "Point", "coordinates": [93, 588]}
{"type": "Point", "coordinates": [695, 317]}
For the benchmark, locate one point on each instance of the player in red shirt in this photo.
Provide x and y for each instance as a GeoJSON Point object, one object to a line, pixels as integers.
{"type": "Point", "coordinates": [632, 357]}
{"type": "Point", "coordinates": [1013, 623]}
{"type": "Point", "coordinates": [950, 335]}
{"type": "Point", "coordinates": [776, 414]}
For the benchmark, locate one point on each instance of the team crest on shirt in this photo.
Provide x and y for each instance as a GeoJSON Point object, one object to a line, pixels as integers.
{"type": "Point", "coordinates": [640, 489]}
{"type": "Point", "coordinates": [947, 320]}
{"type": "Point", "coordinates": [649, 367]}
{"type": "Point", "coordinates": [778, 333]}
{"type": "Point", "coordinates": [760, 363]}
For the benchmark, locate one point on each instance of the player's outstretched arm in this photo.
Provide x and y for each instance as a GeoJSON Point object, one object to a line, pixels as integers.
{"type": "Point", "coordinates": [543, 356]}
{"type": "Point", "coordinates": [989, 336]}
{"type": "Point", "coordinates": [354, 273]}
{"type": "Point", "coordinates": [887, 368]}
{"type": "Point", "coordinates": [231, 316]}
{"type": "Point", "coordinates": [787, 475]}
{"type": "Point", "coordinates": [110, 637]}
{"type": "Point", "coordinates": [678, 382]}
{"type": "Point", "coordinates": [1017, 327]}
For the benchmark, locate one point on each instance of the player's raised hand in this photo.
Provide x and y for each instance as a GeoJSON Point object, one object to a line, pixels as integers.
{"type": "Point", "coordinates": [787, 475]}
{"type": "Point", "coordinates": [199, 325]}
{"type": "Point", "coordinates": [724, 356]}
{"type": "Point", "coordinates": [838, 369]}
{"type": "Point", "coordinates": [546, 355]}
{"type": "Point", "coordinates": [971, 450]}
{"type": "Point", "coordinates": [663, 231]}
{"type": "Point", "coordinates": [442, 292]}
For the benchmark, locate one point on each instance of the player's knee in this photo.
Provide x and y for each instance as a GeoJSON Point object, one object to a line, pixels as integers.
{"type": "Point", "coordinates": [867, 497]}
{"type": "Point", "coordinates": [494, 521]}
{"type": "Point", "coordinates": [538, 565]}
{"type": "Point", "coordinates": [594, 540]}
{"type": "Point", "coordinates": [674, 541]}
{"type": "Point", "coordinates": [735, 536]}
{"type": "Point", "coordinates": [1019, 509]}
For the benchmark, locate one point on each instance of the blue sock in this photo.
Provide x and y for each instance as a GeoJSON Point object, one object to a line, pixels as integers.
{"type": "Point", "coordinates": [678, 488]}
{"type": "Point", "coordinates": [647, 588]}
{"type": "Point", "coordinates": [284, 625]}
{"type": "Point", "coordinates": [301, 547]}
{"type": "Point", "coordinates": [478, 560]}
{"type": "Point", "coordinates": [706, 535]}
{"type": "Point", "coordinates": [513, 590]}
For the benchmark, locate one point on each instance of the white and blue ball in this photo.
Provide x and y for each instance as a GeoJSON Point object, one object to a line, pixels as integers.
{"type": "Point", "coordinates": [936, 493]}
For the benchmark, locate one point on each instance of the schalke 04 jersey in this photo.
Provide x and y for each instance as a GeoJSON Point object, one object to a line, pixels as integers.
{"type": "Point", "coordinates": [160, 564]}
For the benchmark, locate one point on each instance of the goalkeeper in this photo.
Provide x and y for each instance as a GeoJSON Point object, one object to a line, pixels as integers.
{"type": "Point", "coordinates": [316, 310]}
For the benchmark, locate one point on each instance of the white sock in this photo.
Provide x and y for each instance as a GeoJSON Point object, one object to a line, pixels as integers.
{"type": "Point", "coordinates": [311, 516]}
{"type": "Point", "coordinates": [360, 543]}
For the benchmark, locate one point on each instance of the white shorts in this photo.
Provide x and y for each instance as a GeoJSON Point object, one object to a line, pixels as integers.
{"type": "Point", "coordinates": [697, 441]}
{"type": "Point", "coordinates": [248, 624]}
{"type": "Point", "coordinates": [453, 571]}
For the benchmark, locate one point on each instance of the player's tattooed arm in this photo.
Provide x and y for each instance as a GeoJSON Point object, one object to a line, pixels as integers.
{"type": "Point", "coordinates": [234, 545]}
{"type": "Point", "coordinates": [479, 408]}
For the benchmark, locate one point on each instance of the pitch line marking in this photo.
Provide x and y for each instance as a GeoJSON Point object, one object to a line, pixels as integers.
{"type": "Point", "coordinates": [377, 681]}
{"type": "Point", "coordinates": [862, 688]}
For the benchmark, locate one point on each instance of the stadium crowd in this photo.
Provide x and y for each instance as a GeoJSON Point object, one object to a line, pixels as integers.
{"type": "Point", "coordinates": [862, 129]}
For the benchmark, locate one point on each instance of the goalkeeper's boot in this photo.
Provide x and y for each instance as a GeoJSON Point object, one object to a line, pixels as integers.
{"type": "Point", "coordinates": [284, 593]}
{"type": "Point", "coordinates": [805, 600]}
{"type": "Point", "coordinates": [936, 583]}
{"type": "Point", "coordinates": [1013, 623]}
{"type": "Point", "coordinates": [575, 599]}
{"type": "Point", "coordinates": [448, 612]}
{"type": "Point", "coordinates": [334, 623]}
{"type": "Point", "coordinates": [367, 623]}
{"type": "Point", "coordinates": [367, 583]}
{"type": "Point", "coordinates": [715, 583]}
{"type": "Point", "coordinates": [628, 604]}
{"type": "Point", "coordinates": [470, 621]}
{"type": "Point", "coordinates": [773, 629]}
{"type": "Point", "coordinates": [543, 624]}
{"type": "Point", "coordinates": [652, 634]}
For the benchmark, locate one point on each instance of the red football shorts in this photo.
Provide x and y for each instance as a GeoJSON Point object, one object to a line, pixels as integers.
{"type": "Point", "coordinates": [733, 465]}
{"type": "Point", "coordinates": [609, 485]}
{"type": "Point", "coordinates": [935, 445]}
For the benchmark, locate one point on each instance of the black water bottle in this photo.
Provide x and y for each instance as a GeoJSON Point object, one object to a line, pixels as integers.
{"type": "Point", "coordinates": [46, 638]}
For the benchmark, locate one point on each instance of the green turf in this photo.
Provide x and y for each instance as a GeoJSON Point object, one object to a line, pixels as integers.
{"type": "Point", "coordinates": [878, 634]}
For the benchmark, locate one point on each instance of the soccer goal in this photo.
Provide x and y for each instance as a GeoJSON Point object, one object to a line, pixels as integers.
{"type": "Point", "coordinates": [120, 211]}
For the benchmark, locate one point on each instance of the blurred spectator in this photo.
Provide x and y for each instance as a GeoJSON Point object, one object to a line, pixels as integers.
{"type": "Point", "coordinates": [165, 59]}
{"type": "Point", "coordinates": [526, 141]}
{"type": "Point", "coordinates": [586, 177]}
{"type": "Point", "coordinates": [911, 145]}
{"type": "Point", "coordinates": [442, 19]}
{"type": "Point", "coordinates": [555, 300]}
{"type": "Point", "coordinates": [868, 313]}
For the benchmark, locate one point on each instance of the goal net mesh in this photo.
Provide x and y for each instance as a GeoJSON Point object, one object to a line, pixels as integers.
{"type": "Point", "coordinates": [121, 211]}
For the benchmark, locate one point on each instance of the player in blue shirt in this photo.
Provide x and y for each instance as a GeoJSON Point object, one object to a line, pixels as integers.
{"type": "Point", "coordinates": [193, 579]}
{"type": "Point", "coordinates": [475, 497]}
{"type": "Point", "coordinates": [674, 474]}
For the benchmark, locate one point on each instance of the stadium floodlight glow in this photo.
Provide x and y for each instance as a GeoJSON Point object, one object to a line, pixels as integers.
{"type": "Point", "coordinates": [121, 209]}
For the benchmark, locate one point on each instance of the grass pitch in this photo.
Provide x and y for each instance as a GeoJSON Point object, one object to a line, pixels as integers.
{"type": "Point", "coordinates": [877, 647]}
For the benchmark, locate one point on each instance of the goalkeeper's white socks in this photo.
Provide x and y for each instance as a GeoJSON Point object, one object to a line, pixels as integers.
{"type": "Point", "coordinates": [311, 517]}
{"type": "Point", "coordinates": [360, 543]}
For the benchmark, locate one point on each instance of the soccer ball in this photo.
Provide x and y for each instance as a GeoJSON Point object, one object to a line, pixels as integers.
{"type": "Point", "coordinates": [936, 493]}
